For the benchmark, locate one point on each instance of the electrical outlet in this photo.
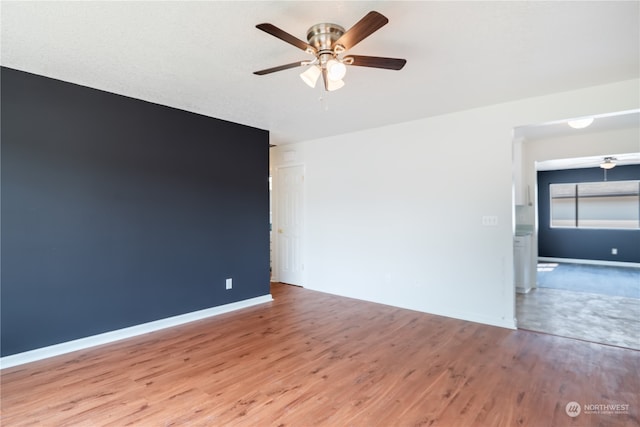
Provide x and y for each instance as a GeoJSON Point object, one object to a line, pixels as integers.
{"type": "Point", "coordinates": [229, 284]}
{"type": "Point", "coordinates": [489, 220]}
{"type": "Point", "coordinates": [614, 251]}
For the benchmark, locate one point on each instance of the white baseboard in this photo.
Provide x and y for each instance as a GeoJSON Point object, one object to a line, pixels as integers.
{"type": "Point", "coordinates": [501, 322]}
{"type": "Point", "coordinates": [591, 262]}
{"type": "Point", "coordinates": [475, 318]}
{"type": "Point", "coordinates": [132, 331]}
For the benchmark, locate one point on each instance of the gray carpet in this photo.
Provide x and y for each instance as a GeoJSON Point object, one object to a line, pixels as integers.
{"type": "Point", "coordinates": [593, 279]}
{"type": "Point", "coordinates": [591, 317]}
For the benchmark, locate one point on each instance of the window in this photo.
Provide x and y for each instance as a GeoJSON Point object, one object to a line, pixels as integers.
{"type": "Point", "coordinates": [610, 204]}
{"type": "Point", "coordinates": [563, 205]}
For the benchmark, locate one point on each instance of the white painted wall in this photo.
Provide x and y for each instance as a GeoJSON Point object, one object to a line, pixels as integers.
{"type": "Point", "coordinates": [394, 214]}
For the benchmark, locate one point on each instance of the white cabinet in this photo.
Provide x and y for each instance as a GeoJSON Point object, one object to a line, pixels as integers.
{"type": "Point", "coordinates": [522, 261]}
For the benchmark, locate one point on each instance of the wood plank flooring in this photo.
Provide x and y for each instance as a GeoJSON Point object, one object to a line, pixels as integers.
{"type": "Point", "coordinates": [309, 358]}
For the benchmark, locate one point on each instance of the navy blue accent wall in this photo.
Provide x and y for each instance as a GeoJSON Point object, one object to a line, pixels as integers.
{"type": "Point", "coordinates": [584, 243]}
{"type": "Point", "coordinates": [117, 212]}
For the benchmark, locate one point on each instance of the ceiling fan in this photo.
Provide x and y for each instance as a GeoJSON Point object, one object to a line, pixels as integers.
{"type": "Point", "coordinates": [328, 44]}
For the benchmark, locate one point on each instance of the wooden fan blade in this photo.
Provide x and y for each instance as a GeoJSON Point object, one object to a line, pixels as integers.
{"type": "Point", "coordinates": [377, 62]}
{"type": "Point", "coordinates": [283, 35]}
{"type": "Point", "coordinates": [371, 23]}
{"type": "Point", "coordinates": [278, 68]}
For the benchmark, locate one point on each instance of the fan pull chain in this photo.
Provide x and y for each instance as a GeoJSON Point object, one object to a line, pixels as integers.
{"type": "Point", "coordinates": [324, 102]}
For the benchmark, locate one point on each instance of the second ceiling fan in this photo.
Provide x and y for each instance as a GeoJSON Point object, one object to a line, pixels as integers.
{"type": "Point", "coordinates": [328, 44]}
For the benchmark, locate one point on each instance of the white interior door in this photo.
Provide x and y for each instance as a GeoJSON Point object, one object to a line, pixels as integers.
{"type": "Point", "coordinates": [289, 225]}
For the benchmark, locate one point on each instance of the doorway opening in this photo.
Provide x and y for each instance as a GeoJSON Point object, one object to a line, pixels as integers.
{"type": "Point", "coordinates": [568, 305]}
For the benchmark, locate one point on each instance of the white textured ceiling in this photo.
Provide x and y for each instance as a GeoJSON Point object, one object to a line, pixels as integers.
{"type": "Point", "coordinates": [199, 56]}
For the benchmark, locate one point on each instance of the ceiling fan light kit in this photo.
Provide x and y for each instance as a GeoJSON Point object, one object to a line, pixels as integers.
{"type": "Point", "coordinates": [310, 76]}
{"type": "Point", "coordinates": [332, 85]}
{"type": "Point", "coordinates": [328, 44]}
{"type": "Point", "coordinates": [336, 70]}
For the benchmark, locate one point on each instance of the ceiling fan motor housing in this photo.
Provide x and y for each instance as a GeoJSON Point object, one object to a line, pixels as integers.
{"type": "Point", "coordinates": [322, 36]}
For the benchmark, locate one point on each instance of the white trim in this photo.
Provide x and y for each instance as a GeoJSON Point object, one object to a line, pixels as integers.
{"type": "Point", "coordinates": [501, 322]}
{"type": "Point", "coordinates": [132, 331]}
{"type": "Point", "coordinates": [478, 318]}
{"type": "Point", "coordinates": [484, 320]}
{"type": "Point", "coordinates": [591, 262]}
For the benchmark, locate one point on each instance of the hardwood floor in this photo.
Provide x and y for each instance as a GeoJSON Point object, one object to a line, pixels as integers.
{"type": "Point", "coordinates": [309, 358]}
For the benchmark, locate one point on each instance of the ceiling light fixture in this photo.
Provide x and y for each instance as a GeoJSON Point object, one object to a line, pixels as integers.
{"type": "Point", "coordinates": [334, 85]}
{"type": "Point", "coordinates": [311, 75]}
{"type": "Point", "coordinates": [336, 70]}
{"type": "Point", "coordinates": [580, 123]}
{"type": "Point", "coordinates": [608, 163]}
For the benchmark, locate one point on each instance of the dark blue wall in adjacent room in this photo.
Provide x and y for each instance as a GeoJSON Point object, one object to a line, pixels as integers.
{"type": "Point", "coordinates": [580, 243]}
{"type": "Point", "coordinates": [117, 212]}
